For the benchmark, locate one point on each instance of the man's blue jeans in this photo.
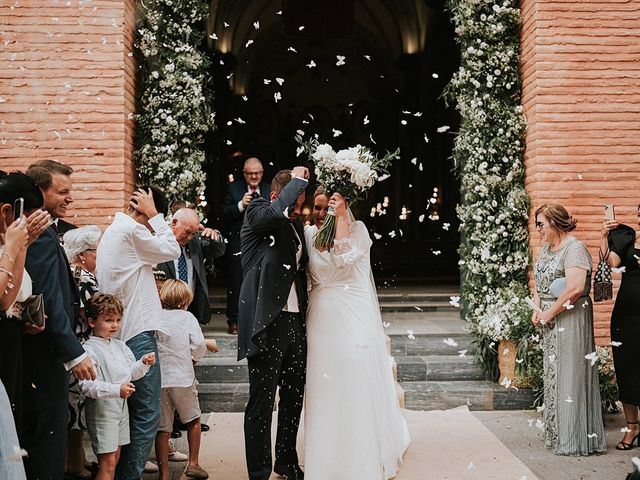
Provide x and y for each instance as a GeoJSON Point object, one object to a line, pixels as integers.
{"type": "Point", "coordinates": [144, 411]}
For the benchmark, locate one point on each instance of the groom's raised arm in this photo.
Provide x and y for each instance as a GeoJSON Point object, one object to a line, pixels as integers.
{"type": "Point", "coordinates": [263, 216]}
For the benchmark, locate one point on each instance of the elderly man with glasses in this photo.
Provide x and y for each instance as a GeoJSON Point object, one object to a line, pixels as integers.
{"type": "Point", "coordinates": [238, 197]}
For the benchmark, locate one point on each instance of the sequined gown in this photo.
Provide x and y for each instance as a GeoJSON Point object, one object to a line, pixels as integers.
{"type": "Point", "coordinates": [572, 414]}
{"type": "Point", "coordinates": [354, 429]}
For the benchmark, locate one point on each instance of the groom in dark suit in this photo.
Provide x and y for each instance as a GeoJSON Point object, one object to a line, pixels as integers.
{"type": "Point", "coordinates": [271, 312]}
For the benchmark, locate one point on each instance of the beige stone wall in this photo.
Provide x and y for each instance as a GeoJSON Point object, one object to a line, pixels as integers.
{"type": "Point", "coordinates": [66, 89]}
{"type": "Point", "coordinates": [581, 93]}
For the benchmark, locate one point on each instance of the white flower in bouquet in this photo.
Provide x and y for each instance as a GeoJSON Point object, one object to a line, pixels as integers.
{"type": "Point", "coordinates": [350, 172]}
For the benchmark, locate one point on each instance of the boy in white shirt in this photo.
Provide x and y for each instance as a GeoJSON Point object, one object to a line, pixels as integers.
{"type": "Point", "coordinates": [106, 411]}
{"type": "Point", "coordinates": [179, 348]}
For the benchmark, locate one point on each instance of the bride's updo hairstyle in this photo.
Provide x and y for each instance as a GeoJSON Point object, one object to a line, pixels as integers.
{"type": "Point", "coordinates": [558, 217]}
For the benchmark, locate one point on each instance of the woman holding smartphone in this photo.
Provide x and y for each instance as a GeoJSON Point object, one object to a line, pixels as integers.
{"type": "Point", "coordinates": [623, 245]}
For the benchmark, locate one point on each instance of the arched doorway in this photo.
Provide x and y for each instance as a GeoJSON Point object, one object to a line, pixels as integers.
{"type": "Point", "coordinates": [351, 71]}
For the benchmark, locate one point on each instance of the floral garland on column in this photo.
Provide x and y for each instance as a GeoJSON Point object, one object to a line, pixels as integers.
{"type": "Point", "coordinates": [174, 102]}
{"type": "Point", "coordinates": [488, 155]}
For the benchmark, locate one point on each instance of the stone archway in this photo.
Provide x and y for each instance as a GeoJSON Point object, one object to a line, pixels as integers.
{"type": "Point", "coordinates": [398, 58]}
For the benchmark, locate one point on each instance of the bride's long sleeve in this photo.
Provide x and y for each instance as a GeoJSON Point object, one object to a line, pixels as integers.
{"type": "Point", "coordinates": [348, 251]}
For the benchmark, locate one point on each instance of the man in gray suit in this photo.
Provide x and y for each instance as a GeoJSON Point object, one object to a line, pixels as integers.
{"type": "Point", "coordinates": [195, 246]}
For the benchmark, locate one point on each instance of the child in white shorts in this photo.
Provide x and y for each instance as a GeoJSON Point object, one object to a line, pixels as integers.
{"type": "Point", "coordinates": [107, 415]}
{"type": "Point", "coordinates": [179, 349]}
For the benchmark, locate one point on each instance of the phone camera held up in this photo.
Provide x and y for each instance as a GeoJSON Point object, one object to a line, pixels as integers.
{"type": "Point", "coordinates": [18, 208]}
{"type": "Point", "coordinates": [609, 213]}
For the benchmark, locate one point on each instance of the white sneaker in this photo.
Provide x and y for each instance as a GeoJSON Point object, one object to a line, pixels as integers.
{"type": "Point", "coordinates": [150, 467]}
{"type": "Point", "coordinates": [178, 457]}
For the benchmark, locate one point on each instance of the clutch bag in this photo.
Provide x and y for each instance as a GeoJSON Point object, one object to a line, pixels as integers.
{"type": "Point", "coordinates": [33, 310]}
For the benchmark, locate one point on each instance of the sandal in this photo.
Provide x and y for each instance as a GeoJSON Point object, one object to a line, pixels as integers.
{"type": "Point", "coordinates": [628, 446]}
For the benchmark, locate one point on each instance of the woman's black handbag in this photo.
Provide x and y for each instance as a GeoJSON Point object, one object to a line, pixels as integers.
{"type": "Point", "coordinates": [33, 310]}
{"type": "Point", "coordinates": [602, 284]}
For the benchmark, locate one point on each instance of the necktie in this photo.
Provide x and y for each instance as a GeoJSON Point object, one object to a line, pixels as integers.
{"type": "Point", "coordinates": [182, 266]}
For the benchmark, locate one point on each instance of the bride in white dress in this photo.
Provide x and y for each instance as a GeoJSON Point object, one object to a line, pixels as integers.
{"type": "Point", "coordinates": [354, 429]}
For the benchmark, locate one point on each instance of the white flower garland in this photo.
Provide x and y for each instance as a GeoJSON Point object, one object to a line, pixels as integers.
{"type": "Point", "coordinates": [494, 252]}
{"type": "Point", "coordinates": [174, 102]}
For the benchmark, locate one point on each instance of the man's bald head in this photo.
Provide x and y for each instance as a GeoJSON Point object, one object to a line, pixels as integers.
{"type": "Point", "coordinates": [185, 223]}
{"type": "Point", "coordinates": [253, 171]}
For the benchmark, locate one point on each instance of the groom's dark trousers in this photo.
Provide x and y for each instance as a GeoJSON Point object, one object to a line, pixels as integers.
{"type": "Point", "coordinates": [283, 365]}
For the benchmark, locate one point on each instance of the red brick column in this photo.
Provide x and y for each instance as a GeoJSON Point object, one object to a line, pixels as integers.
{"type": "Point", "coordinates": [581, 93]}
{"type": "Point", "coordinates": [67, 84]}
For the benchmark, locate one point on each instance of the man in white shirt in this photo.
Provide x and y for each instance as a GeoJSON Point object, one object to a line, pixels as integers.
{"type": "Point", "coordinates": [125, 258]}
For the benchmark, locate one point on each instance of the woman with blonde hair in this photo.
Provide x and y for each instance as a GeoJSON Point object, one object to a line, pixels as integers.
{"type": "Point", "coordinates": [572, 414]}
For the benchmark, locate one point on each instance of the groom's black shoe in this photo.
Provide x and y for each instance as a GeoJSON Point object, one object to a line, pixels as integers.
{"type": "Point", "coordinates": [290, 472]}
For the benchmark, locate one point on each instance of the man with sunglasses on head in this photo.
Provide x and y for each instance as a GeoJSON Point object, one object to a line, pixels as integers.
{"type": "Point", "coordinates": [238, 197]}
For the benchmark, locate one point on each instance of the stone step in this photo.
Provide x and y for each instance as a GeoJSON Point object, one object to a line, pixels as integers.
{"type": "Point", "coordinates": [389, 301]}
{"type": "Point", "coordinates": [425, 395]}
{"type": "Point", "coordinates": [477, 395]}
{"type": "Point", "coordinates": [438, 368]}
{"type": "Point", "coordinates": [225, 369]}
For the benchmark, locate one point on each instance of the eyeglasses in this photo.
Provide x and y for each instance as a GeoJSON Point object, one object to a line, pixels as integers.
{"type": "Point", "coordinates": [539, 225]}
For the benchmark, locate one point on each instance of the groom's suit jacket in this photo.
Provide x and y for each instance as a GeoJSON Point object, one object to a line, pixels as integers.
{"type": "Point", "coordinates": [269, 247]}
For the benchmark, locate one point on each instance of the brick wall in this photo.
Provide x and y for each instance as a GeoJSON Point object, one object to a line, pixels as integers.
{"type": "Point", "coordinates": [66, 89]}
{"type": "Point", "coordinates": [581, 93]}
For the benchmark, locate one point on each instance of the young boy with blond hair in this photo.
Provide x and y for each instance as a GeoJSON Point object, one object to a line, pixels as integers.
{"type": "Point", "coordinates": [179, 349]}
{"type": "Point", "coordinates": [106, 411]}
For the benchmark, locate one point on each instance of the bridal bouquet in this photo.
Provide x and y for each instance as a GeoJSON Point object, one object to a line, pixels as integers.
{"type": "Point", "coordinates": [350, 172]}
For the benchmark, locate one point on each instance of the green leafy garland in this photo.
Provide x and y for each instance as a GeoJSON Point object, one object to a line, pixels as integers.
{"type": "Point", "coordinates": [174, 101]}
{"type": "Point", "coordinates": [488, 155]}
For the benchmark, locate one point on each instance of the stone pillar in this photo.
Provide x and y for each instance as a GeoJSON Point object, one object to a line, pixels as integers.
{"type": "Point", "coordinates": [67, 89]}
{"type": "Point", "coordinates": [581, 95]}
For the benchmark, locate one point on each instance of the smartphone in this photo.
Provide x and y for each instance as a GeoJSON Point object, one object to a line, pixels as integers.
{"type": "Point", "coordinates": [609, 213]}
{"type": "Point", "coordinates": [18, 208]}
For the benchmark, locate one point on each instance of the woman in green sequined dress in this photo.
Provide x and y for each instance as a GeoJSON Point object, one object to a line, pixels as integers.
{"type": "Point", "coordinates": [572, 414]}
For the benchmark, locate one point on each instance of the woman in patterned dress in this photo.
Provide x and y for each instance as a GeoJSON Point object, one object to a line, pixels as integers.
{"type": "Point", "coordinates": [80, 245]}
{"type": "Point", "coordinates": [572, 414]}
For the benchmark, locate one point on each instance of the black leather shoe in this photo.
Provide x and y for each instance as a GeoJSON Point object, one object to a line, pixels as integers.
{"type": "Point", "coordinates": [204, 427]}
{"type": "Point", "coordinates": [290, 472]}
{"type": "Point", "coordinates": [176, 433]}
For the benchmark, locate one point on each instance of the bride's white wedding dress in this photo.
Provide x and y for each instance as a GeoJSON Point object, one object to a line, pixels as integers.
{"type": "Point", "coordinates": [354, 429]}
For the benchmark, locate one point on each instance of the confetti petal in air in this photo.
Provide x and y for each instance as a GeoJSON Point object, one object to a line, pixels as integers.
{"type": "Point", "coordinates": [288, 267]}
{"type": "Point", "coordinates": [411, 334]}
{"type": "Point", "coordinates": [299, 151]}
{"type": "Point", "coordinates": [462, 353]}
{"type": "Point", "coordinates": [368, 57]}
{"type": "Point", "coordinates": [443, 128]}
{"type": "Point", "coordinates": [568, 305]}
{"type": "Point", "coordinates": [340, 61]}
{"type": "Point", "coordinates": [277, 96]}
{"type": "Point", "coordinates": [421, 218]}
{"type": "Point", "coordinates": [417, 308]}
{"type": "Point", "coordinates": [593, 356]}
{"type": "Point", "coordinates": [450, 342]}
{"type": "Point", "coordinates": [226, 25]}
{"type": "Point", "coordinates": [311, 64]}
{"type": "Point", "coordinates": [371, 138]}
{"type": "Point", "coordinates": [455, 301]}
{"type": "Point", "coordinates": [336, 133]}
{"type": "Point", "coordinates": [377, 236]}
{"type": "Point", "coordinates": [434, 75]}
{"type": "Point", "coordinates": [506, 382]}
{"type": "Point", "coordinates": [366, 119]}
{"type": "Point", "coordinates": [414, 160]}
{"type": "Point", "coordinates": [426, 139]}
{"type": "Point", "coordinates": [291, 49]}
{"type": "Point", "coordinates": [301, 27]}
{"type": "Point", "coordinates": [273, 240]}
{"type": "Point", "coordinates": [249, 42]}
{"type": "Point", "coordinates": [280, 80]}
{"type": "Point", "coordinates": [615, 344]}
{"type": "Point", "coordinates": [256, 25]}
{"type": "Point", "coordinates": [568, 399]}
{"type": "Point", "coordinates": [622, 269]}
{"type": "Point", "coordinates": [213, 36]}
{"type": "Point", "coordinates": [445, 226]}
